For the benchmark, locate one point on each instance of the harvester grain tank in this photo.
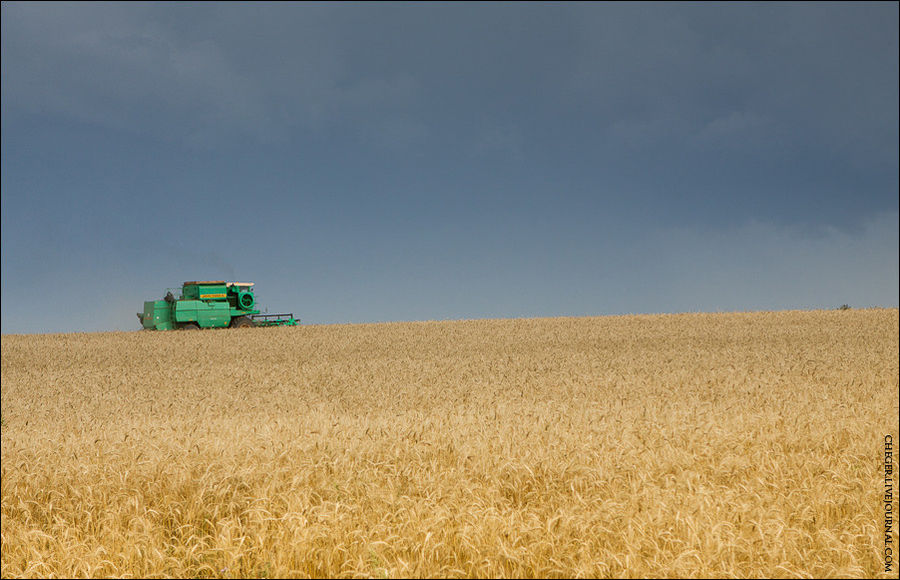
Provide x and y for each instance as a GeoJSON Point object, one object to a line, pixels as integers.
{"type": "Point", "coordinates": [209, 304]}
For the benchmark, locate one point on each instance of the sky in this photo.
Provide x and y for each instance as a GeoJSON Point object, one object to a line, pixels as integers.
{"type": "Point", "coordinates": [367, 162]}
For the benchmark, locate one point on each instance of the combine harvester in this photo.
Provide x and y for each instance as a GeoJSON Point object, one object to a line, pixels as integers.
{"type": "Point", "coordinates": [209, 304]}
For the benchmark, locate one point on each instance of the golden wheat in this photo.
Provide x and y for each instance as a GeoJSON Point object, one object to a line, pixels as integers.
{"type": "Point", "coordinates": [734, 445]}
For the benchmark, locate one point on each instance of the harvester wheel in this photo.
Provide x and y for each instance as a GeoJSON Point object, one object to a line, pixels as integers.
{"type": "Point", "coordinates": [242, 322]}
{"type": "Point", "coordinates": [190, 326]}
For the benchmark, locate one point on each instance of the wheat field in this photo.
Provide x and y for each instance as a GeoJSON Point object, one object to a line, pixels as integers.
{"type": "Point", "coordinates": [690, 445]}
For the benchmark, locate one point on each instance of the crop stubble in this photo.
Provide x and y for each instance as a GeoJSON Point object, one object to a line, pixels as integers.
{"type": "Point", "coordinates": [745, 444]}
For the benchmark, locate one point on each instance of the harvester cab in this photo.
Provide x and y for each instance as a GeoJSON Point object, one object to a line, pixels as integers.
{"type": "Point", "coordinates": [209, 304]}
{"type": "Point", "coordinates": [242, 294]}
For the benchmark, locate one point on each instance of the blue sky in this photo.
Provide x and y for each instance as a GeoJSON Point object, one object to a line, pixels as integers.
{"type": "Point", "coordinates": [373, 162]}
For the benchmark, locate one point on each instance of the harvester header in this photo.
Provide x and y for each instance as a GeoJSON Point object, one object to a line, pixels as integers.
{"type": "Point", "coordinates": [209, 304]}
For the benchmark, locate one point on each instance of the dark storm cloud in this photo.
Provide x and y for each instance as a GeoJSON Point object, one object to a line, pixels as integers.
{"type": "Point", "coordinates": [645, 70]}
{"type": "Point", "coordinates": [633, 95]}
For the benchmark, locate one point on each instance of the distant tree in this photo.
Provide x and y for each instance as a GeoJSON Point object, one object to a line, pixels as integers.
{"type": "Point", "coordinates": [844, 307]}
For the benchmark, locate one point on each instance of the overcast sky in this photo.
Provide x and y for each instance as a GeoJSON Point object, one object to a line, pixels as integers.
{"type": "Point", "coordinates": [373, 162]}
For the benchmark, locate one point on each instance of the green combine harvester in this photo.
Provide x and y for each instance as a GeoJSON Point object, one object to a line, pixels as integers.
{"type": "Point", "coordinates": [209, 304]}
